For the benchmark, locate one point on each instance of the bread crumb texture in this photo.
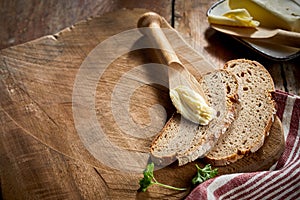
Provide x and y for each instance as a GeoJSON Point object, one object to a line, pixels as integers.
{"type": "Point", "coordinates": [186, 141]}
{"type": "Point", "coordinates": [254, 115]}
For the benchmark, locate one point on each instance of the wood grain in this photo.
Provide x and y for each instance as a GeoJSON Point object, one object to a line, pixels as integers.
{"type": "Point", "coordinates": [21, 22]}
{"type": "Point", "coordinates": [42, 153]}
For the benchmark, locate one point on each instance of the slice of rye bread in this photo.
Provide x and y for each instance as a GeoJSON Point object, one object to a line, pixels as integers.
{"type": "Point", "coordinates": [255, 113]}
{"type": "Point", "coordinates": [179, 135]}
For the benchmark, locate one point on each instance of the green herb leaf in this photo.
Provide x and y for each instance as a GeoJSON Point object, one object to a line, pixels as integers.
{"type": "Point", "coordinates": [149, 170]}
{"type": "Point", "coordinates": [204, 174]}
{"type": "Point", "coordinates": [148, 176]}
{"type": "Point", "coordinates": [149, 180]}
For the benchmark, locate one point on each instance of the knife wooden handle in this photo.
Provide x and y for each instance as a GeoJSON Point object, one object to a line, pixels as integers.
{"type": "Point", "coordinates": [153, 23]}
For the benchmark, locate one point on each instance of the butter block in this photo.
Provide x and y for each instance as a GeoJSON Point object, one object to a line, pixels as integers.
{"type": "Point", "coordinates": [284, 14]}
{"type": "Point", "coordinates": [236, 17]}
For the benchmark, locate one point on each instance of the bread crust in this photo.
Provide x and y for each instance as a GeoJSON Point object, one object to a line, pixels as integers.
{"type": "Point", "coordinates": [165, 160]}
{"type": "Point", "coordinates": [199, 145]}
{"type": "Point", "coordinates": [241, 152]}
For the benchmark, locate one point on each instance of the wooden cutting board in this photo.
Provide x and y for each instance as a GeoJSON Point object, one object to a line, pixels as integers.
{"type": "Point", "coordinates": [80, 108]}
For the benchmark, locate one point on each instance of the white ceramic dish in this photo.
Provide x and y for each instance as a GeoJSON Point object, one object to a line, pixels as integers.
{"type": "Point", "coordinates": [272, 51]}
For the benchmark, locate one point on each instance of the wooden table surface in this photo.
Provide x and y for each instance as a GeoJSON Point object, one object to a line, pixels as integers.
{"type": "Point", "coordinates": [23, 22]}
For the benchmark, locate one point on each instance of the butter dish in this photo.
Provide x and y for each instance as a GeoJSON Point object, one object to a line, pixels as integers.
{"type": "Point", "coordinates": [270, 50]}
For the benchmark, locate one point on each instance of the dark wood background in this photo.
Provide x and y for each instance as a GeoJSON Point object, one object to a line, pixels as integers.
{"type": "Point", "coordinates": [24, 21]}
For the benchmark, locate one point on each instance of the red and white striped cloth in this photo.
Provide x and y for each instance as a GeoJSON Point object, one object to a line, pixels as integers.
{"type": "Point", "coordinates": [282, 181]}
